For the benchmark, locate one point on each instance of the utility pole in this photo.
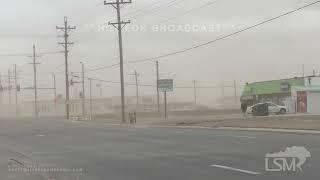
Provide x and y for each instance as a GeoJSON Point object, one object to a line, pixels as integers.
{"type": "Point", "coordinates": [16, 88]}
{"type": "Point", "coordinates": [137, 87]}
{"type": "Point", "coordinates": [303, 69]}
{"type": "Point", "coordinates": [90, 81]}
{"type": "Point", "coordinates": [100, 86]}
{"type": "Point", "coordinates": [54, 91]}
{"type": "Point", "coordinates": [66, 29]}
{"type": "Point", "coordinates": [83, 94]}
{"type": "Point", "coordinates": [235, 92]}
{"type": "Point", "coordinates": [158, 95]}
{"type": "Point", "coordinates": [9, 85]}
{"type": "Point", "coordinates": [165, 105]}
{"type": "Point", "coordinates": [119, 25]}
{"type": "Point", "coordinates": [222, 93]}
{"type": "Point", "coordinates": [1, 91]}
{"type": "Point", "coordinates": [35, 82]}
{"type": "Point", "coordinates": [195, 92]}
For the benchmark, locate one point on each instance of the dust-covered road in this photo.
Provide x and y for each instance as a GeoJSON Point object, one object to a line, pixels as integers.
{"type": "Point", "coordinates": [96, 151]}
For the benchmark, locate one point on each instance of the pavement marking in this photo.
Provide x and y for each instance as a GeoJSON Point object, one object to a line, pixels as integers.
{"type": "Point", "coordinates": [248, 137]}
{"type": "Point", "coordinates": [235, 169]}
{"type": "Point", "coordinates": [40, 135]}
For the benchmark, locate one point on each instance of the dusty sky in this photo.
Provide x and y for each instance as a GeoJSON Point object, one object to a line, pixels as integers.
{"type": "Point", "coordinates": [271, 51]}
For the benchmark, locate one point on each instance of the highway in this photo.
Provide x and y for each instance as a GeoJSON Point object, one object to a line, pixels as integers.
{"type": "Point", "coordinates": [100, 152]}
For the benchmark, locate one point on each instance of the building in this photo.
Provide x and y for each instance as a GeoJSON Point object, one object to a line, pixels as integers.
{"type": "Point", "coordinates": [276, 91]}
{"type": "Point", "coordinates": [299, 94]}
{"type": "Point", "coordinates": [306, 98]}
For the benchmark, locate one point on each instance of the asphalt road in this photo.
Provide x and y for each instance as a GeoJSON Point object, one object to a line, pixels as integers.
{"type": "Point", "coordinates": [144, 153]}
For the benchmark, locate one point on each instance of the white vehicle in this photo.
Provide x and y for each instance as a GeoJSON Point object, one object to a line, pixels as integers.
{"type": "Point", "coordinates": [273, 108]}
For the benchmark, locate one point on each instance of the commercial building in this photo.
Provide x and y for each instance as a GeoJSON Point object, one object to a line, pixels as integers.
{"type": "Point", "coordinates": [276, 91]}
{"type": "Point", "coordinates": [299, 94]}
{"type": "Point", "coordinates": [307, 98]}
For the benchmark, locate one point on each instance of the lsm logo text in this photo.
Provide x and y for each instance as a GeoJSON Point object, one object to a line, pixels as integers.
{"type": "Point", "coordinates": [292, 159]}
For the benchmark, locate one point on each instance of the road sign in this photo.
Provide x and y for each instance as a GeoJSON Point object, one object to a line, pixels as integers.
{"type": "Point", "coordinates": [165, 85]}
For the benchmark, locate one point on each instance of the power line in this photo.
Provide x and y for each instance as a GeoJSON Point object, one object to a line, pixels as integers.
{"type": "Point", "coordinates": [223, 37]}
{"type": "Point", "coordinates": [151, 85]}
{"type": "Point", "coordinates": [29, 54]}
{"type": "Point", "coordinates": [103, 67]}
{"type": "Point", "coordinates": [154, 10]}
{"type": "Point", "coordinates": [189, 11]}
{"type": "Point", "coordinates": [209, 42]}
{"type": "Point", "coordinates": [143, 8]}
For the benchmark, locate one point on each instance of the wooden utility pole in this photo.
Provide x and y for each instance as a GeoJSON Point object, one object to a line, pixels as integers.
{"type": "Point", "coordinates": [35, 82]}
{"type": "Point", "coordinates": [195, 92]}
{"type": "Point", "coordinates": [83, 93]}
{"type": "Point", "coordinates": [137, 87]}
{"type": "Point", "coordinates": [16, 89]}
{"type": "Point", "coordinates": [66, 29]}
{"type": "Point", "coordinates": [158, 95]}
{"type": "Point", "coordinates": [1, 90]}
{"type": "Point", "coordinates": [91, 115]}
{"type": "Point", "coordinates": [9, 85]}
{"type": "Point", "coordinates": [235, 92]}
{"type": "Point", "coordinates": [119, 26]}
{"type": "Point", "coordinates": [100, 86]}
{"type": "Point", "coordinates": [54, 91]}
{"type": "Point", "coordinates": [165, 105]}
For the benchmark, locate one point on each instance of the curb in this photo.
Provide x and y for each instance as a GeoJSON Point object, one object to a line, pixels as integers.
{"type": "Point", "coordinates": [277, 130]}
{"type": "Point", "coordinates": [295, 131]}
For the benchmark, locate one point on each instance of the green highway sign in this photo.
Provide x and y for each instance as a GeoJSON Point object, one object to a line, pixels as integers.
{"type": "Point", "coordinates": [165, 85]}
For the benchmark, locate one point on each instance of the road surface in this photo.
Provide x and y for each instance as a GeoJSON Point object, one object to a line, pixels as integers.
{"type": "Point", "coordinates": [97, 151]}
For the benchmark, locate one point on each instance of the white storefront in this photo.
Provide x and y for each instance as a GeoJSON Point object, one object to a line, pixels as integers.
{"type": "Point", "coordinates": [306, 99]}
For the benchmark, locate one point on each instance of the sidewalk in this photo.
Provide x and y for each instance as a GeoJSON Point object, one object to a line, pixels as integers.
{"type": "Point", "coordinates": [289, 121]}
{"type": "Point", "coordinates": [293, 121]}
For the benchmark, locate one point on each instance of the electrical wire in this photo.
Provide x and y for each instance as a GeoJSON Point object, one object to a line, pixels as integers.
{"type": "Point", "coordinates": [214, 40]}
{"type": "Point", "coordinates": [189, 11]}
{"type": "Point", "coordinates": [224, 36]}
{"type": "Point", "coordinates": [154, 10]}
{"type": "Point", "coordinates": [142, 9]}
{"type": "Point", "coordinates": [29, 54]}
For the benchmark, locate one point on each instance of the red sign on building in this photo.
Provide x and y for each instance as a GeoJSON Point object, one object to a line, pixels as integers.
{"type": "Point", "coordinates": [302, 102]}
